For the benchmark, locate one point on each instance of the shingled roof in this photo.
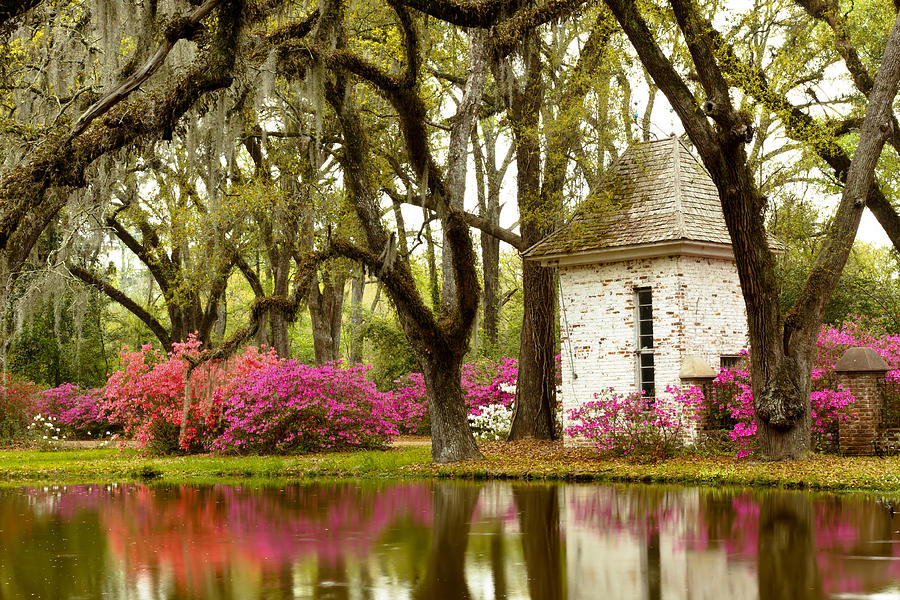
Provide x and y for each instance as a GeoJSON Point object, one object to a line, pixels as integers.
{"type": "Point", "coordinates": [659, 193]}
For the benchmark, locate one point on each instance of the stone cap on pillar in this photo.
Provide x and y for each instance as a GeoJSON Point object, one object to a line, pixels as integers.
{"type": "Point", "coordinates": [695, 368]}
{"type": "Point", "coordinates": [861, 360]}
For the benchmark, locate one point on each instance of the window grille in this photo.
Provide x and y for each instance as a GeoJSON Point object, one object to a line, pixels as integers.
{"type": "Point", "coordinates": [646, 373]}
{"type": "Point", "coordinates": [729, 362]}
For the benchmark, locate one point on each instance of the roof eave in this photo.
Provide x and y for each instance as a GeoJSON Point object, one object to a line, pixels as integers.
{"type": "Point", "coordinates": [637, 251]}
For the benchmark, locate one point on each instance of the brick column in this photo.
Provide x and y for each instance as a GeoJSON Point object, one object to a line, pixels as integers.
{"type": "Point", "coordinates": [861, 372]}
{"type": "Point", "coordinates": [695, 372]}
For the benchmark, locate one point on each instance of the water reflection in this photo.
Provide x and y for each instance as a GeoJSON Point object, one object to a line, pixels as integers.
{"type": "Point", "coordinates": [442, 541]}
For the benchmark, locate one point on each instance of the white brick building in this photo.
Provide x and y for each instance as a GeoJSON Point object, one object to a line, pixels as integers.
{"type": "Point", "coordinates": [647, 283]}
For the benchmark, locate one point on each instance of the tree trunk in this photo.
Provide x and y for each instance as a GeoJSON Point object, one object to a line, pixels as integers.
{"type": "Point", "coordinates": [451, 436]}
{"type": "Point", "coordinates": [433, 286]}
{"type": "Point", "coordinates": [783, 418]}
{"type": "Point", "coordinates": [490, 260]}
{"type": "Point", "coordinates": [535, 405]}
{"type": "Point", "coordinates": [445, 574]}
{"type": "Point", "coordinates": [458, 152]}
{"type": "Point", "coordinates": [357, 291]}
{"type": "Point", "coordinates": [325, 307]}
{"type": "Point", "coordinates": [489, 177]}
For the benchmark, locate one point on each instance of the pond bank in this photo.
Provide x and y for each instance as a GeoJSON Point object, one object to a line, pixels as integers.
{"type": "Point", "coordinates": [527, 460]}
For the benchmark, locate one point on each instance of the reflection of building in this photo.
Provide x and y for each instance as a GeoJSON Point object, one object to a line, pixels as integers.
{"type": "Point", "coordinates": [647, 278]}
{"type": "Point", "coordinates": [622, 545]}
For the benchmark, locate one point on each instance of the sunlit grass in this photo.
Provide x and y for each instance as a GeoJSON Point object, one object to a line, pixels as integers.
{"type": "Point", "coordinates": [129, 464]}
{"type": "Point", "coordinates": [516, 461]}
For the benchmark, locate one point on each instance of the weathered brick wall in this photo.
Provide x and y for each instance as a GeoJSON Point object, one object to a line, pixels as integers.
{"type": "Point", "coordinates": [697, 309]}
{"type": "Point", "coordinates": [857, 434]}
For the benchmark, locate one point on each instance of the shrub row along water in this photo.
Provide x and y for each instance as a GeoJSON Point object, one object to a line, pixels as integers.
{"type": "Point", "coordinates": [253, 402]}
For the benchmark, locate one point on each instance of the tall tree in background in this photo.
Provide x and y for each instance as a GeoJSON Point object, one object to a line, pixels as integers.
{"type": "Point", "coordinates": [542, 170]}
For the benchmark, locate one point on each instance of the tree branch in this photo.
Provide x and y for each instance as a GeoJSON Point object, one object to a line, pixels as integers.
{"type": "Point", "coordinates": [472, 220]}
{"type": "Point", "coordinates": [803, 128]}
{"type": "Point", "coordinates": [125, 301]}
{"type": "Point", "coordinates": [876, 128]}
{"type": "Point", "coordinates": [829, 12]}
{"type": "Point", "coordinates": [11, 9]}
{"type": "Point", "coordinates": [179, 28]}
{"type": "Point", "coordinates": [508, 33]}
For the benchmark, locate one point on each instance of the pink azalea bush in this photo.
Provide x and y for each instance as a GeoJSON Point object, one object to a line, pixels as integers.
{"type": "Point", "coordinates": [291, 407]}
{"type": "Point", "coordinates": [147, 396]}
{"type": "Point", "coordinates": [830, 404]}
{"type": "Point", "coordinates": [630, 425]}
{"type": "Point", "coordinates": [76, 411]}
{"type": "Point", "coordinates": [410, 404]}
{"type": "Point", "coordinates": [485, 383]}
{"type": "Point", "coordinates": [829, 407]}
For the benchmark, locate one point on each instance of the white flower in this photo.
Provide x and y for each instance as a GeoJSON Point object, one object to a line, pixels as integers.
{"type": "Point", "coordinates": [45, 437]}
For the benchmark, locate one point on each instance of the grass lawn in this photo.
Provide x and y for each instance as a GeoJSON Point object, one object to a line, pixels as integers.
{"type": "Point", "coordinates": [520, 460]}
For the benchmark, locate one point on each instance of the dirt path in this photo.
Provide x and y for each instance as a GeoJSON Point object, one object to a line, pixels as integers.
{"type": "Point", "coordinates": [411, 440]}
{"type": "Point", "coordinates": [402, 441]}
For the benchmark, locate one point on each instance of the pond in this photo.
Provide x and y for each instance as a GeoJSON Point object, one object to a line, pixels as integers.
{"type": "Point", "coordinates": [443, 540]}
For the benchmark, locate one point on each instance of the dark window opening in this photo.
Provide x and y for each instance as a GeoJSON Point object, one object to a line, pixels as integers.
{"type": "Point", "coordinates": [646, 374]}
{"type": "Point", "coordinates": [729, 362]}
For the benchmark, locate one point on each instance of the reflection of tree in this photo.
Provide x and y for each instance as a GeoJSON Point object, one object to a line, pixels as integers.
{"type": "Point", "coordinates": [787, 548]}
{"type": "Point", "coordinates": [498, 562]}
{"type": "Point", "coordinates": [541, 545]}
{"type": "Point", "coordinates": [445, 574]}
{"type": "Point", "coordinates": [654, 566]}
{"type": "Point", "coordinates": [332, 582]}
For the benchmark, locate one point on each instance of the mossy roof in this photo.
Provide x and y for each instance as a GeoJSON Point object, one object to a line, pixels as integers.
{"type": "Point", "coordinates": [657, 192]}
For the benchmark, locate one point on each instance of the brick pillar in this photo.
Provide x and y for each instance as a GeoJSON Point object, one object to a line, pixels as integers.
{"type": "Point", "coordinates": [695, 372]}
{"type": "Point", "coordinates": [861, 372]}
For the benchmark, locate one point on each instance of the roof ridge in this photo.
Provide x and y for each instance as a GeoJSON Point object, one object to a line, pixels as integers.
{"type": "Point", "coordinates": [676, 185]}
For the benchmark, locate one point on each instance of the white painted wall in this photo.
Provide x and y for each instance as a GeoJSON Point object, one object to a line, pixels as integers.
{"type": "Point", "coordinates": [697, 309]}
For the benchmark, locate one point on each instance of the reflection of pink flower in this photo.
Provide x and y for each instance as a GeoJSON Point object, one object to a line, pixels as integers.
{"type": "Point", "coordinates": [192, 530]}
